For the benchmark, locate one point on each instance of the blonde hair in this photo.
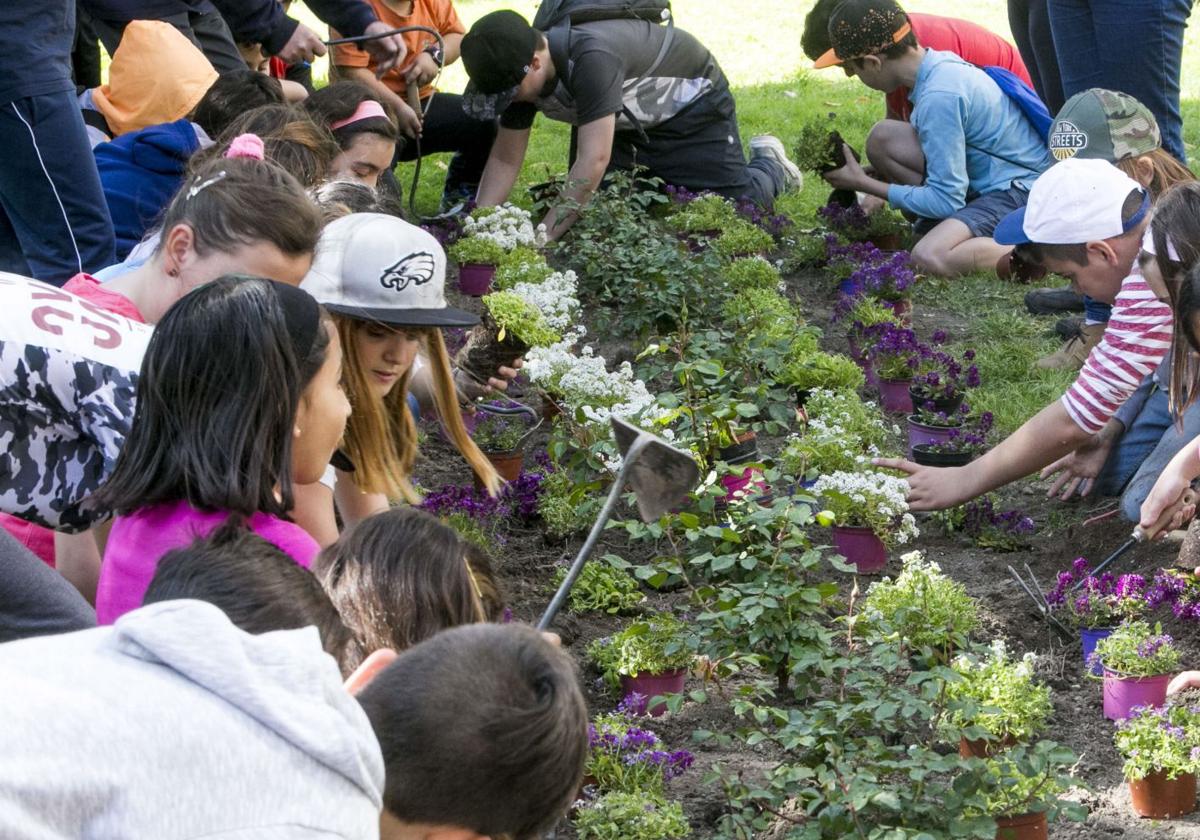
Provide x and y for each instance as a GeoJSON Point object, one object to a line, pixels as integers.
{"type": "Point", "coordinates": [381, 436]}
{"type": "Point", "coordinates": [1166, 171]}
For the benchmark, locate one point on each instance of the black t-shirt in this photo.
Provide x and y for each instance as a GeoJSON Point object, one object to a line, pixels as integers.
{"type": "Point", "coordinates": [37, 38]}
{"type": "Point", "coordinates": [605, 73]}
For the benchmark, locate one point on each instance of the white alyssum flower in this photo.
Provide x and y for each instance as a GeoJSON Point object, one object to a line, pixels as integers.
{"type": "Point", "coordinates": [875, 499]}
{"type": "Point", "coordinates": [584, 383]}
{"type": "Point", "coordinates": [508, 226]}
{"type": "Point", "coordinates": [556, 298]}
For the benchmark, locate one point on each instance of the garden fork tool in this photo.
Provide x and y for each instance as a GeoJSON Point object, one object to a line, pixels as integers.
{"type": "Point", "coordinates": [660, 475]}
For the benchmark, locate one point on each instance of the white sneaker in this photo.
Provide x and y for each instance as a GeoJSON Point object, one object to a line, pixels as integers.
{"type": "Point", "coordinates": [770, 146]}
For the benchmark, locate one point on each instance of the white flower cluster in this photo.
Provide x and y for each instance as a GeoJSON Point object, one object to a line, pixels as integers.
{"type": "Point", "coordinates": [556, 297]}
{"type": "Point", "coordinates": [508, 226]}
{"type": "Point", "coordinates": [875, 496]}
{"type": "Point", "coordinates": [582, 381]}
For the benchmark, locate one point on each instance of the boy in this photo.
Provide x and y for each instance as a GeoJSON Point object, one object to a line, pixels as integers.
{"type": "Point", "coordinates": [1092, 201]}
{"type": "Point", "coordinates": [634, 97]}
{"type": "Point", "coordinates": [967, 158]}
{"type": "Point", "coordinates": [173, 723]}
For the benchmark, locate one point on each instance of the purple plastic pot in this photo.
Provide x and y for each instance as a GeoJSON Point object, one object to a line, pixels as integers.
{"type": "Point", "coordinates": [1121, 694]}
{"type": "Point", "coordinates": [1090, 637]}
{"type": "Point", "coordinates": [653, 685]}
{"type": "Point", "coordinates": [475, 279]}
{"type": "Point", "coordinates": [893, 396]}
{"type": "Point", "coordinates": [861, 548]}
{"type": "Point", "coordinates": [919, 433]}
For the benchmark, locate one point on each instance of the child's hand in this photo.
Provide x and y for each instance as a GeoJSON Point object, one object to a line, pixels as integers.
{"type": "Point", "coordinates": [423, 70]}
{"type": "Point", "coordinates": [849, 177]}
{"type": "Point", "coordinates": [1188, 679]}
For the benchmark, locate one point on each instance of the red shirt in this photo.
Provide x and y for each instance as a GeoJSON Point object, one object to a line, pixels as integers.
{"type": "Point", "coordinates": [969, 41]}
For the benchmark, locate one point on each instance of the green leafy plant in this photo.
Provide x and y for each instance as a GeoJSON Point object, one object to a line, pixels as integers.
{"type": "Point", "coordinates": [650, 646]}
{"type": "Point", "coordinates": [805, 251]}
{"type": "Point", "coordinates": [752, 309]}
{"type": "Point", "coordinates": [565, 508]}
{"type": "Point", "coordinates": [816, 148]}
{"type": "Point", "coordinates": [521, 265]}
{"type": "Point", "coordinates": [631, 816]}
{"type": "Point", "coordinates": [1030, 780]}
{"type": "Point", "coordinates": [752, 273]}
{"type": "Point", "coordinates": [703, 215]}
{"type": "Point", "coordinates": [868, 499]}
{"type": "Point", "coordinates": [807, 371]}
{"type": "Point", "coordinates": [851, 413]}
{"type": "Point", "coordinates": [741, 239]}
{"type": "Point", "coordinates": [522, 319]}
{"type": "Point", "coordinates": [602, 588]}
{"type": "Point", "coordinates": [476, 250]}
{"type": "Point", "coordinates": [921, 607]}
{"type": "Point", "coordinates": [1135, 649]}
{"type": "Point", "coordinates": [1165, 740]}
{"type": "Point", "coordinates": [998, 696]}
{"type": "Point", "coordinates": [497, 432]}
{"type": "Point", "coordinates": [471, 530]}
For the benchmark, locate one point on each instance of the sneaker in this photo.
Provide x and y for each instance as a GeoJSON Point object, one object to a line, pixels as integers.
{"type": "Point", "coordinates": [1074, 353]}
{"type": "Point", "coordinates": [1068, 328]}
{"type": "Point", "coordinates": [1052, 301]}
{"type": "Point", "coordinates": [771, 147]}
{"type": "Point", "coordinates": [1012, 267]}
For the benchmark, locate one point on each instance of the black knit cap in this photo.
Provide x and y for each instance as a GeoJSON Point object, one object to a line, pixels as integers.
{"type": "Point", "coordinates": [496, 53]}
{"type": "Point", "coordinates": [858, 28]}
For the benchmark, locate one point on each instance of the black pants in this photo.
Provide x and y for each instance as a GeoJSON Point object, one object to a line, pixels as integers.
{"type": "Point", "coordinates": [207, 30]}
{"type": "Point", "coordinates": [1030, 24]}
{"type": "Point", "coordinates": [447, 128]}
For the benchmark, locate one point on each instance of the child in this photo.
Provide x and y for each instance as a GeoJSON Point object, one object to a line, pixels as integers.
{"type": "Point", "coordinates": [223, 428]}
{"type": "Point", "coordinates": [255, 584]}
{"type": "Point", "coordinates": [383, 327]}
{"type": "Point", "coordinates": [175, 723]}
{"type": "Point", "coordinates": [1092, 201]}
{"type": "Point", "coordinates": [966, 159]}
{"type": "Point", "coordinates": [363, 126]}
{"type": "Point", "coordinates": [397, 578]}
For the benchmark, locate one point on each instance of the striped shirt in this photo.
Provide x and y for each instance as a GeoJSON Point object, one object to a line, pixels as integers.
{"type": "Point", "coordinates": [1137, 338]}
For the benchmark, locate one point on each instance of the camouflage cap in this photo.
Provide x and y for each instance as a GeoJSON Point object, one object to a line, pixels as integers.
{"type": "Point", "coordinates": [1103, 124]}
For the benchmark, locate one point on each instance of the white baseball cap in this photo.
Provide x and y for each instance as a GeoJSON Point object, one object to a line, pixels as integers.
{"type": "Point", "coordinates": [1075, 201]}
{"type": "Point", "coordinates": [377, 267]}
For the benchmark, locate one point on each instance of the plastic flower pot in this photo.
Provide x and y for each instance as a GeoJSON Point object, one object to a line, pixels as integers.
{"type": "Point", "coordinates": [926, 433]}
{"type": "Point", "coordinates": [903, 309]}
{"type": "Point", "coordinates": [943, 405]}
{"type": "Point", "coordinates": [1161, 798]}
{"type": "Point", "coordinates": [508, 464]}
{"type": "Point", "coordinates": [743, 450]}
{"type": "Point", "coordinates": [1121, 694]}
{"type": "Point", "coordinates": [1022, 827]}
{"type": "Point", "coordinates": [653, 685]}
{"type": "Point", "coordinates": [1090, 637]}
{"type": "Point", "coordinates": [893, 396]}
{"type": "Point", "coordinates": [475, 279]}
{"type": "Point", "coordinates": [888, 241]}
{"type": "Point", "coordinates": [922, 455]}
{"type": "Point", "coordinates": [984, 747]}
{"type": "Point", "coordinates": [861, 548]}
{"type": "Point", "coordinates": [740, 486]}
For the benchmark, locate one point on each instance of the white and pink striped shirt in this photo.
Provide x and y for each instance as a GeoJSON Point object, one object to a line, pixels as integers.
{"type": "Point", "coordinates": [1136, 339]}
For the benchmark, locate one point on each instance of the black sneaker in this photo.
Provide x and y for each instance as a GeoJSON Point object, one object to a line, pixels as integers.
{"type": "Point", "coordinates": [1052, 301]}
{"type": "Point", "coordinates": [1069, 328]}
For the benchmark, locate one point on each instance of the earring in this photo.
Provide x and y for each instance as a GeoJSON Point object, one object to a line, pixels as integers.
{"type": "Point", "coordinates": [174, 272]}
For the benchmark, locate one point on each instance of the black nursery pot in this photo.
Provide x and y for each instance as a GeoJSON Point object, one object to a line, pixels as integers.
{"type": "Point", "coordinates": [801, 395]}
{"type": "Point", "coordinates": [925, 458]}
{"type": "Point", "coordinates": [743, 451]}
{"type": "Point", "coordinates": [944, 405]}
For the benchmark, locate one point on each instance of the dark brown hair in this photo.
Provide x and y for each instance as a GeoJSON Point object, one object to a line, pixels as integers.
{"type": "Point", "coordinates": [256, 585]}
{"type": "Point", "coordinates": [1076, 252]}
{"type": "Point", "coordinates": [290, 139]}
{"type": "Point", "coordinates": [397, 578]}
{"type": "Point", "coordinates": [340, 100]}
{"type": "Point", "coordinates": [232, 95]}
{"type": "Point", "coordinates": [1176, 227]}
{"type": "Point", "coordinates": [481, 727]}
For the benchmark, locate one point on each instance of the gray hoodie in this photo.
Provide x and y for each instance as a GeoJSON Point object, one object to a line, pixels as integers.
{"type": "Point", "coordinates": [173, 723]}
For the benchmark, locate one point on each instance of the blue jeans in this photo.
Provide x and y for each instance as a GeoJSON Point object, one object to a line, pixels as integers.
{"type": "Point", "coordinates": [1134, 46]}
{"type": "Point", "coordinates": [1145, 449]}
{"type": "Point", "coordinates": [1095, 311]}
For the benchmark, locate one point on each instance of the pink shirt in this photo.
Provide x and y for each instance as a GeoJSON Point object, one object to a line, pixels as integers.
{"type": "Point", "coordinates": [138, 540]}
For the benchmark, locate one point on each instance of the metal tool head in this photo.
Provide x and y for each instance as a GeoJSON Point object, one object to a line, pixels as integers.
{"type": "Point", "coordinates": [660, 475]}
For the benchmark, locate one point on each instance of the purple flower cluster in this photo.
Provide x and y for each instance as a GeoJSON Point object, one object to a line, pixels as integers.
{"type": "Point", "coordinates": [866, 270]}
{"type": "Point", "coordinates": [517, 500]}
{"type": "Point", "coordinates": [996, 529]}
{"type": "Point", "coordinates": [1102, 600]}
{"type": "Point", "coordinates": [634, 746]}
{"type": "Point", "coordinates": [773, 223]}
{"type": "Point", "coordinates": [941, 375]}
{"type": "Point", "coordinates": [1153, 645]}
{"type": "Point", "coordinates": [972, 438]}
{"type": "Point", "coordinates": [895, 351]}
{"type": "Point", "coordinates": [1178, 588]}
{"type": "Point", "coordinates": [844, 219]}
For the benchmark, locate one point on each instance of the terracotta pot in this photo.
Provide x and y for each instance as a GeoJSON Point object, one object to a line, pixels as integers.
{"type": "Point", "coordinates": [984, 747]}
{"type": "Point", "coordinates": [922, 455]}
{"type": "Point", "coordinates": [888, 241]}
{"type": "Point", "coordinates": [1023, 827]}
{"type": "Point", "coordinates": [1122, 694]}
{"type": "Point", "coordinates": [475, 279]}
{"type": "Point", "coordinates": [893, 396]}
{"type": "Point", "coordinates": [903, 309]}
{"type": "Point", "coordinates": [1161, 798]}
{"type": "Point", "coordinates": [653, 685]}
{"type": "Point", "coordinates": [861, 548]}
{"type": "Point", "coordinates": [1090, 637]}
{"type": "Point", "coordinates": [508, 464]}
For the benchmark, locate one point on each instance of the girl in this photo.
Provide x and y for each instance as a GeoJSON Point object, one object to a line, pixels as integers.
{"type": "Point", "coordinates": [239, 398]}
{"type": "Point", "coordinates": [363, 126]}
{"type": "Point", "coordinates": [398, 578]}
{"type": "Point", "coordinates": [383, 279]}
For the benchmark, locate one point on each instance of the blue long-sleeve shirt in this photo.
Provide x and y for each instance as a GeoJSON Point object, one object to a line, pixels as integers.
{"type": "Point", "coordinates": [976, 140]}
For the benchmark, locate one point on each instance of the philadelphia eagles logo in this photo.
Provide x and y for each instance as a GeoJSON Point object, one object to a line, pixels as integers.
{"type": "Point", "coordinates": [415, 268]}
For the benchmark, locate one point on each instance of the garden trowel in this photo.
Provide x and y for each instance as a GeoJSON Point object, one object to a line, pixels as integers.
{"type": "Point", "coordinates": [660, 476]}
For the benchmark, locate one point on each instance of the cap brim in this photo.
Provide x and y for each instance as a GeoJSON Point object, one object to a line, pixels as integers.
{"type": "Point", "coordinates": [486, 106]}
{"type": "Point", "coordinates": [829, 59]}
{"type": "Point", "coordinates": [446, 317]}
{"type": "Point", "coordinates": [1011, 230]}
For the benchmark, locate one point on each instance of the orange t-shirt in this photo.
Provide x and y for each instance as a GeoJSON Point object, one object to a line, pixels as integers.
{"type": "Point", "coordinates": [436, 14]}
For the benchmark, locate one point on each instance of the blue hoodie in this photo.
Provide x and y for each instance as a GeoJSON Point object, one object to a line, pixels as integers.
{"type": "Point", "coordinates": [140, 172]}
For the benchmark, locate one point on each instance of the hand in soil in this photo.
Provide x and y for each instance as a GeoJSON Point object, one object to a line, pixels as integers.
{"type": "Point", "coordinates": [929, 488]}
{"type": "Point", "coordinates": [1183, 681]}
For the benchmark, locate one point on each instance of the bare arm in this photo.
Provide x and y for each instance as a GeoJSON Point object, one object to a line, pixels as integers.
{"type": "Point", "coordinates": [353, 504]}
{"type": "Point", "coordinates": [1045, 437]}
{"type": "Point", "coordinates": [77, 558]}
{"type": "Point", "coordinates": [313, 511]}
{"type": "Point", "coordinates": [503, 166]}
{"type": "Point", "coordinates": [451, 48]}
{"type": "Point", "coordinates": [595, 151]}
{"type": "Point", "coordinates": [410, 121]}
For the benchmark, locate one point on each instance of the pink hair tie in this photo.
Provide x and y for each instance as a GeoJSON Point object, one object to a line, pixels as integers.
{"type": "Point", "coordinates": [246, 146]}
{"type": "Point", "coordinates": [367, 109]}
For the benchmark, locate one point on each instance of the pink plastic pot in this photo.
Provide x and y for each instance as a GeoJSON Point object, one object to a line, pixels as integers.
{"type": "Point", "coordinates": [1121, 694]}
{"type": "Point", "coordinates": [894, 397]}
{"type": "Point", "coordinates": [861, 548]}
{"type": "Point", "coordinates": [740, 486]}
{"type": "Point", "coordinates": [475, 279]}
{"type": "Point", "coordinates": [653, 685]}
